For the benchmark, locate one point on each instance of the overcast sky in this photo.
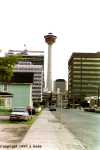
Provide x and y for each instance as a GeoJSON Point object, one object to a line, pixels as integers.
{"type": "Point", "coordinates": [76, 23]}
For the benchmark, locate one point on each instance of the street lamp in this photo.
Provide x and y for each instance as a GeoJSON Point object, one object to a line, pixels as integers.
{"type": "Point", "coordinates": [60, 98]}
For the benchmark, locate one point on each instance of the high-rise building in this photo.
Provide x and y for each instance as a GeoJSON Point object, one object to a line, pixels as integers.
{"type": "Point", "coordinates": [32, 62]}
{"type": "Point", "coordinates": [83, 75]}
{"type": "Point", "coordinates": [36, 57]}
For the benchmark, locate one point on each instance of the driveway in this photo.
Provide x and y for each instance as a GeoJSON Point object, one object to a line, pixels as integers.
{"type": "Point", "coordinates": [11, 133]}
{"type": "Point", "coordinates": [4, 117]}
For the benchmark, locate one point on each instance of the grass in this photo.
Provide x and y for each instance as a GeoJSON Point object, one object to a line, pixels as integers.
{"type": "Point", "coordinates": [5, 111]}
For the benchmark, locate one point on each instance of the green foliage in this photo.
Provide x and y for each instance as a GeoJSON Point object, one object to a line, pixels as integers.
{"type": "Point", "coordinates": [6, 67]}
{"type": "Point", "coordinates": [5, 111]}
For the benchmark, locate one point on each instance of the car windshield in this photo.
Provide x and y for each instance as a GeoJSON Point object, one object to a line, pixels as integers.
{"type": "Point", "coordinates": [18, 110]}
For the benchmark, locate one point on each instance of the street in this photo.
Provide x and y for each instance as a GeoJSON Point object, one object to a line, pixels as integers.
{"type": "Point", "coordinates": [84, 125]}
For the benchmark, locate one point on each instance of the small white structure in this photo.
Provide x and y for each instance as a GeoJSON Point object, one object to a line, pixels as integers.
{"type": "Point", "coordinates": [6, 100]}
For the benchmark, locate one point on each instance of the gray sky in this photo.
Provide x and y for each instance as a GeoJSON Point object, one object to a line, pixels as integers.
{"type": "Point", "coordinates": [76, 23]}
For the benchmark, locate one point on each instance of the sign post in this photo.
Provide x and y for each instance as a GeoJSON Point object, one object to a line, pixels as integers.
{"type": "Point", "coordinates": [60, 98]}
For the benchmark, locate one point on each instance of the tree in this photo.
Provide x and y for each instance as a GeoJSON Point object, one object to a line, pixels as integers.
{"type": "Point", "coordinates": [6, 67]}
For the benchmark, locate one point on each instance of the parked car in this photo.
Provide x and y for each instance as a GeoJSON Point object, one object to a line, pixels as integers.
{"type": "Point", "coordinates": [52, 107]}
{"type": "Point", "coordinates": [37, 109]}
{"type": "Point", "coordinates": [19, 114]}
{"type": "Point", "coordinates": [66, 107]}
{"type": "Point", "coordinates": [89, 109]}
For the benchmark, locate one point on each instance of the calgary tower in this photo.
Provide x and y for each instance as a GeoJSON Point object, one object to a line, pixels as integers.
{"type": "Point", "coordinates": [49, 39]}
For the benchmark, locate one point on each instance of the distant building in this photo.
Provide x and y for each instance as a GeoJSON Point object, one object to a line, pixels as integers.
{"type": "Point", "coordinates": [60, 84]}
{"type": "Point", "coordinates": [60, 91]}
{"type": "Point", "coordinates": [83, 75]}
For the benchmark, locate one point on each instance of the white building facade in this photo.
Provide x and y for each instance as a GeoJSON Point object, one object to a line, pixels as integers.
{"type": "Point", "coordinates": [37, 70]}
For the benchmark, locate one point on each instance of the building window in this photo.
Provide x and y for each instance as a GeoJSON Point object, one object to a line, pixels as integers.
{"type": "Point", "coordinates": [2, 102]}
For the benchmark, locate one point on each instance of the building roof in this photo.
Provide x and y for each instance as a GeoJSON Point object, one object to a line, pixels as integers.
{"type": "Point", "coordinates": [36, 57]}
{"type": "Point", "coordinates": [5, 94]}
{"type": "Point", "coordinates": [85, 55]}
{"type": "Point", "coordinates": [60, 80]}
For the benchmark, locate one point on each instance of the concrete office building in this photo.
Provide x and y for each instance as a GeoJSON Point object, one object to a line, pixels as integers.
{"type": "Point", "coordinates": [37, 70]}
{"type": "Point", "coordinates": [83, 75]}
{"type": "Point", "coordinates": [36, 57]}
{"type": "Point", "coordinates": [32, 62]}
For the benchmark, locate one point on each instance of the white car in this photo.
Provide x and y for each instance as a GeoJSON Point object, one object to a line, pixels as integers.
{"type": "Point", "coordinates": [37, 109]}
{"type": "Point", "coordinates": [19, 114]}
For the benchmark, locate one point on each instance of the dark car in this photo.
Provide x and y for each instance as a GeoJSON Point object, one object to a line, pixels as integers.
{"type": "Point", "coordinates": [52, 107]}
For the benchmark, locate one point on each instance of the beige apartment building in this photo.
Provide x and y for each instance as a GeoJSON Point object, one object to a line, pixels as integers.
{"type": "Point", "coordinates": [83, 75]}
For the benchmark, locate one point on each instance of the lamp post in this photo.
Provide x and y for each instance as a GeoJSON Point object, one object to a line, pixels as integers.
{"type": "Point", "coordinates": [60, 98]}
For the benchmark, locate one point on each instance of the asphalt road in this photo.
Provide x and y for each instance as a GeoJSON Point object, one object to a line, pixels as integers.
{"type": "Point", "coordinates": [84, 125]}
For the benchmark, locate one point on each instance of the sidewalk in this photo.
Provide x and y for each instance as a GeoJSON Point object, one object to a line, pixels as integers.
{"type": "Point", "coordinates": [48, 134]}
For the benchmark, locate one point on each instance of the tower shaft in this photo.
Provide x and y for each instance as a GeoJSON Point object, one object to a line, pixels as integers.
{"type": "Point", "coordinates": [49, 39]}
{"type": "Point", "coordinates": [49, 69]}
